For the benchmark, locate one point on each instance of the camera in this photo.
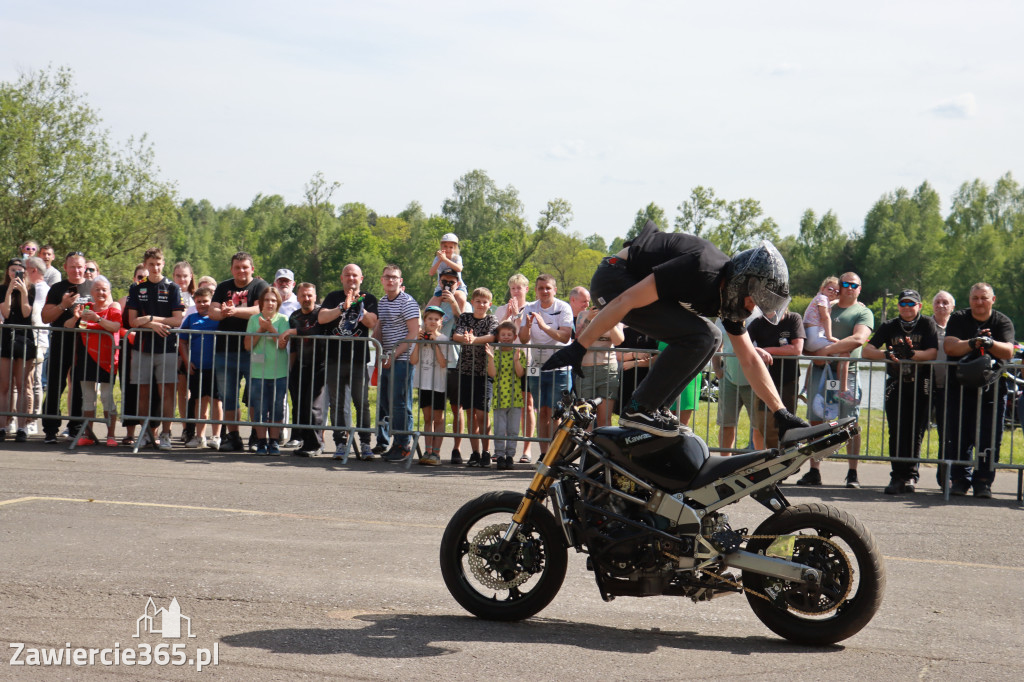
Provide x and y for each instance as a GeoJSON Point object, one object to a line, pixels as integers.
{"type": "Point", "coordinates": [447, 286]}
{"type": "Point", "coordinates": [83, 300]}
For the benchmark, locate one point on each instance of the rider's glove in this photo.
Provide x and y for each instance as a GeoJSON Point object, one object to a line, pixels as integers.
{"type": "Point", "coordinates": [981, 342]}
{"type": "Point", "coordinates": [786, 420]}
{"type": "Point", "coordinates": [570, 356]}
{"type": "Point", "coordinates": [903, 350]}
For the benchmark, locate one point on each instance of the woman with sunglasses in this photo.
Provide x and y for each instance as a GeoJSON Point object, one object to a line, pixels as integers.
{"type": "Point", "coordinates": [17, 346]}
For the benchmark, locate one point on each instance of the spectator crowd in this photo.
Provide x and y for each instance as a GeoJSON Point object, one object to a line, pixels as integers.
{"type": "Point", "coordinates": [271, 354]}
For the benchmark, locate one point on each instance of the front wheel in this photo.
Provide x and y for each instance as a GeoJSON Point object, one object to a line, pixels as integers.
{"type": "Point", "coordinates": [502, 583]}
{"type": "Point", "coordinates": [853, 575]}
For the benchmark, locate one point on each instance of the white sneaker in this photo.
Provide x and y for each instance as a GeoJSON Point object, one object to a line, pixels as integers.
{"type": "Point", "coordinates": [292, 444]}
{"type": "Point", "coordinates": [165, 441]}
{"type": "Point", "coordinates": [197, 442]}
{"type": "Point", "coordinates": [65, 433]}
{"type": "Point", "coordinates": [31, 429]}
{"type": "Point", "coordinates": [213, 442]}
{"type": "Point", "coordinates": [146, 440]}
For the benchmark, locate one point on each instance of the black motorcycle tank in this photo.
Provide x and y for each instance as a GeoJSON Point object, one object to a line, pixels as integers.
{"type": "Point", "coordinates": [669, 463]}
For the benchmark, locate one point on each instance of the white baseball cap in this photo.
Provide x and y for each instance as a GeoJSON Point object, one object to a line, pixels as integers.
{"type": "Point", "coordinates": [450, 237]}
{"type": "Point", "coordinates": [284, 272]}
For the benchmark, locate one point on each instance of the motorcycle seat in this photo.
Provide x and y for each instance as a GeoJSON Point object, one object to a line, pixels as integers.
{"type": "Point", "coordinates": [718, 466]}
{"type": "Point", "coordinates": [812, 432]}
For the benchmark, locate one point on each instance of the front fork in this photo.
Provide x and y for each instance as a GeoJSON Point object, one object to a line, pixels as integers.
{"type": "Point", "coordinates": [541, 481]}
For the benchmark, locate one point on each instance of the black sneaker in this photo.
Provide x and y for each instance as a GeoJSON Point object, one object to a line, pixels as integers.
{"type": "Point", "coordinates": [232, 442]}
{"type": "Point", "coordinates": [959, 487]}
{"type": "Point", "coordinates": [851, 479]}
{"type": "Point", "coordinates": [474, 460]}
{"type": "Point", "coordinates": [3, 435]}
{"type": "Point", "coordinates": [895, 486]}
{"type": "Point", "coordinates": [21, 436]}
{"type": "Point", "coordinates": [50, 439]}
{"type": "Point", "coordinates": [909, 487]}
{"type": "Point", "coordinates": [983, 491]}
{"type": "Point", "coordinates": [670, 416]}
{"type": "Point", "coordinates": [380, 449]}
{"type": "Point", "coordinates": [649, 421]}
{"type": "Point", "coordinates": [485, 459]}
{"type": "Point", "coordinates": [456, 457]}
{"type": "Point", "coordinates": [812, 477]}
{"type": "Point", "coordinates": [397, 454]}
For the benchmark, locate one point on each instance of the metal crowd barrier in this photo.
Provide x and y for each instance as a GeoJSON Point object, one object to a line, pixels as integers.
{"type": "Point", "coordinates": [325, 393]}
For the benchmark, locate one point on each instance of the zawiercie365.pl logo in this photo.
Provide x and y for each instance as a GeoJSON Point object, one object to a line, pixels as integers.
{"type": "Point", "coordinates": [168, 623]}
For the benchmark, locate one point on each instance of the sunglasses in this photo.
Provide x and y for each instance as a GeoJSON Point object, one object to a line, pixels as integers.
{"type": "Point", "coordinates": [907, 304]}
{"type": "Point", "coordinates": [74, 253]}
{"type": "Point", "coordinates": [90, 269]}
{"type": "Point", "coordinates": [29, 249]}
{"type": "Point", "coordinates": [850, 285]}
{"type": "Point", "coordinates": [832, 290]}
{"type": "Point", "coordinates": [139, 278]}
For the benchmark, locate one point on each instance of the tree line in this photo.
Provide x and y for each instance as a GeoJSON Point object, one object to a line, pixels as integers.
{"type": "Point", "coordinates": [64, 181]}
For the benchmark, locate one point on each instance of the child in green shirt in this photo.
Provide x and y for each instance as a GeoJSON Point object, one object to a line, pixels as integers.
{"type": "Point", "coordinates": [268, 369]}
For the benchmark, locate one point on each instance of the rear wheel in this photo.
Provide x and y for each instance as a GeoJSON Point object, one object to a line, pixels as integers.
{"type": "Point", "coordinates": [852, 576]}
{"type": "Point", "coordinates": [502, 583]}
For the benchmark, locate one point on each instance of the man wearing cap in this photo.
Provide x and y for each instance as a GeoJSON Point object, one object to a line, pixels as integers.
{"type": "Point", "coordinates": [852, 322]}
{"type": "Point", "coordinates": [284, 282]}
{"type": "Point", "coordinates": [970, 334]}
{"type": "Point", "coordinates": [909, 339]}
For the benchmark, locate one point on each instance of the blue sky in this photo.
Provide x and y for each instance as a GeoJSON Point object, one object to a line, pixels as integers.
{"type": "Point", "coordinates": [609, 105]}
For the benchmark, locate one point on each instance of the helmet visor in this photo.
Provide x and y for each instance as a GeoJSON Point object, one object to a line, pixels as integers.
{"type": "Point", "coordinates": [772, 305]}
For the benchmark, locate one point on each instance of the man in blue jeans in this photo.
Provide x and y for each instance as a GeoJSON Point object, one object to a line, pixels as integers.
{"type": "Point", "coordinates": [234, 302]}
{"type": "Point", "coordinates": [398, 325]}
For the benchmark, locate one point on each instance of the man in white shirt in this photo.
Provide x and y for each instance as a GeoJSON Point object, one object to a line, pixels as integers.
{"type": "Point", "coordinates": [546, 322]}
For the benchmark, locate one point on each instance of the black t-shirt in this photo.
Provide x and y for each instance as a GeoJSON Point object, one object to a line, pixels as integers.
{"type": "Point", "coordinates": [764, 334]}
{"type": "Point", "coordinates": [349, 324]}
{"type": "Point", "coordinates": [687, 269]}
{"type": "Point", "coordinates": [161, 299]}
{"type": "Point", "coordinates": [635, 339]}
{"type": "Point", "coordinates": [16, 316]}
{"type": "Point", "coordinates": [311, 351]}
{"type": "Point", "coordinates": [473, 359]}
{"type": "Point", "coordinates": [241, 297]}
{"type": "Point", "coordinates": [922, 335]}
{"type": "Point", "coordinates": [54, 297]}
{"type": "Point", "coordinates": [963, 326]}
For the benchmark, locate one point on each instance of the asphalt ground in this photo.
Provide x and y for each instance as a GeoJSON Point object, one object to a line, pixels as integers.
{"type": "Point", "coordinates": [309, 569]}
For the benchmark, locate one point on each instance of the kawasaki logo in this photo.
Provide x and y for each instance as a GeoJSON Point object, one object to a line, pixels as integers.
{"type": "Point", "coordinates": [637, 438]}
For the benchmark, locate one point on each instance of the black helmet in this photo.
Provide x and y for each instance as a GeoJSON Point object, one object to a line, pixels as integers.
{"type": "Point", "coordinates": [978, 370]}
{"type": "Point", "coordinates": [760, 273]}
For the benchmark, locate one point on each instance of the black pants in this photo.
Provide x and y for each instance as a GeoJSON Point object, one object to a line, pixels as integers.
{"type": "Point", "coordinates": [906, 411]}
{"type": "Point", "coordinates": [306, 386]}
{"type": "Point", "coordinates": [347, 384]}
{"type": "Point", "coordinates": [971, 430]}
{"type": "Point", "coordinates": [691, 339]}
{"type": "Point", "coordinates": [63, 346]}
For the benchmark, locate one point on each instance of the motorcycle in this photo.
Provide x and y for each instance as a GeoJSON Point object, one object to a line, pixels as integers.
{"type": "Point", "coordinates": [647, 512]}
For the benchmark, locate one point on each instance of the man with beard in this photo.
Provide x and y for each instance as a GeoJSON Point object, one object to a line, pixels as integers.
{"type": "Point", "coordinates": [909, 339]}
{"type": "Point", "coordinates": [973, 403]}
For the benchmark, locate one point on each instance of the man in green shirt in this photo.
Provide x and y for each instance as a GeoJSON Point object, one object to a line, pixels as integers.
{"type": "Point", "coordinates": [852, 323]}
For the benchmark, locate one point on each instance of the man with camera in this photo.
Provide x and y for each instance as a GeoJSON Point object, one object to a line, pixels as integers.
{"type": "Point", "coordinates": [62, 303]}
{"type": "Point", "coordinates": [981, 339]}
{"type": "Point", "coordinates": [908, 339]}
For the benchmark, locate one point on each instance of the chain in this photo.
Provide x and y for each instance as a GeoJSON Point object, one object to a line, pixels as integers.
{"type": "Point", "coordinates": [743, 588]}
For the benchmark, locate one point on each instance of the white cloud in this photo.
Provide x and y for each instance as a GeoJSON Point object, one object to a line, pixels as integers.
{"type": "Point", "coordinates": [961, 106]}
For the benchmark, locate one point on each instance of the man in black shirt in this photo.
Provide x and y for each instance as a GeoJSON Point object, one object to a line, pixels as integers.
{"type": "Point", "coordinates": [778, 345]}
{"type": "Point", "coordinates": [306, 378]}
{"type": "Point", "coordinates": [973, 334]}
{"type": "Point", "coordinates": [349, 313]}
{"type": "Point", "coordinates": [155, 305]}
{"type": "Point", "coordinates": [908, 339]}
{"type": "Point", "coordinates": [59, 308]}
{"type": "Point", "coordinates": [234, 301]}
{"type": "Point", "coordinates": [666, 285]}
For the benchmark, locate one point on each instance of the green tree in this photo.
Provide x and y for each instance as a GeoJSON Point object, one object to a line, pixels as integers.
{"type": "Point", "coordinates": [650, 212]}
{"type": "Point", "coordinates": [740, 228]}
{"type": "Point", "coordinates": [816, 253]}
{"type": "Point", "coordinates": [63, 181]}
{"type": "Point", "coordinates": [701, 212]}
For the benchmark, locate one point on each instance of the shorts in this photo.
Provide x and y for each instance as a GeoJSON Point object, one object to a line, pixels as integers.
{"type": "Point", "coordinates": [202, 384]}
{"type": "Point", "coordinates": [18, 346]}
{"type": "Point", "coordinates": [730, 399]}
{"type": "Point", "coordinates": [453, 391]}
{"type": "Point", "coordinates": [432, 399]}
{"type": "Point", "coordinates": [475, 392]}
{"type": "Point", "coordinates": [161, 368]}
{"type": "Point", "coordinates": [267, 400]}
{"type": "Point", "coordinates": [599, 381]}
{"type": "Point", "coordinates": [548, 387]}
{"type": "Point", "coordinates": [764, 420]}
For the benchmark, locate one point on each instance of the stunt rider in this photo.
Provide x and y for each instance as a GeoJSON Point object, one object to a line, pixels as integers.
{"type": "Point", "coordinates": [666, 286]}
